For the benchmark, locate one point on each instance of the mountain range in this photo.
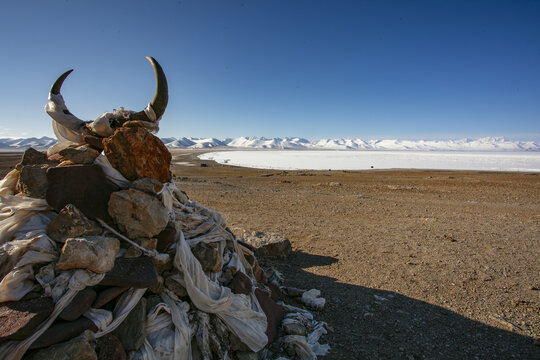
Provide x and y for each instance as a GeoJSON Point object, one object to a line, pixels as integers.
{"type": "Point", "coordinates": [481, 144]}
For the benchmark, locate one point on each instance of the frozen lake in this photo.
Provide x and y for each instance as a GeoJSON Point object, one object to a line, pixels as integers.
{"type": "Point", "coordinates": [362, 160]}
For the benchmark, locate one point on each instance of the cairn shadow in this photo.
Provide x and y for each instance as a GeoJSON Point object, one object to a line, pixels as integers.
{"type": "Point", "coordinates": [378, 324]}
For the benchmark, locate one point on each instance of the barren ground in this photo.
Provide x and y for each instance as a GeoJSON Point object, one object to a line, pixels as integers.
{"type": "Point", "coordinates": [413, 264]}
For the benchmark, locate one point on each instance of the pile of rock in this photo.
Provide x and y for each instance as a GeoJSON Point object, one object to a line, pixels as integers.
{"type": "Point", "coordinates": [102, 257]}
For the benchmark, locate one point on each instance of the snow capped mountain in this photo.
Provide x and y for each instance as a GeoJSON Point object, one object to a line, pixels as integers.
{"type": "Point", "coordinates": [482, 144]}
{"type": "Point", "coordinates": [41, 143]}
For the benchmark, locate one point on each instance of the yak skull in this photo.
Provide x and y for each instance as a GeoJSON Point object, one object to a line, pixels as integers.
{"type": "Point", "coordinates": [68, 127]}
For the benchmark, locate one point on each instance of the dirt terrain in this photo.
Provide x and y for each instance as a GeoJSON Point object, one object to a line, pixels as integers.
{"type": "Point", "coordinates": [413, 264]}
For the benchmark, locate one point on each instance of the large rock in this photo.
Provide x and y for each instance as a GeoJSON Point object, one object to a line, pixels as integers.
{"type": "Point", "coordinates": [95, 253]}
{"type": "Point", "coordinates": [83, 155]}
{"type": "Point", "coordinates": [132, 331]}
{"type": "Point", "coordinates": [132, 272]}
{"type": "Point", "coordinates": [79, 305]}
{"type": "Point", "coordinates": [81, 348]}
{"type": "Point", "coordinates": [33, 181]}
{"type": "Point", "coordinates": [63, 331]}
{"type": "Point", "coordinates": [136, 153]}
{"type": "Point", "coordinates": [84, 186]}
{"type": "Point", "coordinates": [18, 319]}
{"type": "Point", "coordinates": [138, 214]}
{"type": "Point", "coordinates": [71, 223]}
{"type": "Point", "coordinates": [269, 245]}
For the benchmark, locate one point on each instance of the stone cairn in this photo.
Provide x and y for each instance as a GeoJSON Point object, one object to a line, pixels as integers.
{"type": "Point", "coordinates": [103, 257]}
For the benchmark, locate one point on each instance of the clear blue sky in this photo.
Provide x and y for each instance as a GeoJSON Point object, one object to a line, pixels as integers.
{"type": "Point", "coordinates": [368, 69]}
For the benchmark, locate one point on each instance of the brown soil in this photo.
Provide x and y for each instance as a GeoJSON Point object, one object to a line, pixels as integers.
{"type": "Point", "coordinates": [413, 264]}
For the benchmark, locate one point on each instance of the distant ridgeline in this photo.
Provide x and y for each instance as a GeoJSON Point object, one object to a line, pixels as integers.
{"type": "Point", "coordinates": [482, 144]}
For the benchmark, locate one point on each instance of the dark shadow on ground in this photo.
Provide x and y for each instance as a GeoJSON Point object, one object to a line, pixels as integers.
{"type": "Point", "coordinates": [379, 324]}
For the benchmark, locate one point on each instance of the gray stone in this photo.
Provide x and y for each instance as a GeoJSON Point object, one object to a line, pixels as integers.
{"type": "Point", "coordinates": [81, 348]}
{"type": "Point", "coordinates": [132, 272]}
{"type": "Point", "coordinates": [293, 327]}
{"type": "Point", "coordinates": [138, 214]}
{"type": "Point", "coordinates": [18, 319]}
{"type": "Point", "coordinates": [95, 253]}
{"type": "Point", "coordinates": [79, 305]}
{"type": "Point", "coordinates": [33, 181]}
{"type": "Point", "coordinates": [71, 223]}
{"type": "Point", "coordinates": [83, 155]}
{"type": "Point", "coordinates": [147, 184]}
{"type": "Point", "coordinates": [132, 331]}
{"type": "Point", "coordinates": [63, 331]}
{"type": "Point", "coordinates": [269, 245]}
{"type": "Point", "coordinates": [107, 295]}
{"type": "Point", "coordinates": [207, 256]}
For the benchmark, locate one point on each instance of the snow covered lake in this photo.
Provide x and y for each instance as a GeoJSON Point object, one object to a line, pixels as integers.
{"type": "Point", "coordinates": [362, 160]}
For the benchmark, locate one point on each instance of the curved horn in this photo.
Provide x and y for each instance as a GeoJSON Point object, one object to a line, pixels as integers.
{"type": "Point", "coordinates": [65, 125]}
{"type": "Point", "coordinates": [55, 89]}
{"type": "Point", "coordinates": [161, 97]}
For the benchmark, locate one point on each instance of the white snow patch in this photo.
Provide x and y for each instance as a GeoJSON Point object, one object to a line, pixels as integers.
{"type": "Point", "coordinates": [362, 160]}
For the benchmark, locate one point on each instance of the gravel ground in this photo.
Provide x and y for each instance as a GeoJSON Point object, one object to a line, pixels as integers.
{"type": "Point", "coordinates": [413, 264]}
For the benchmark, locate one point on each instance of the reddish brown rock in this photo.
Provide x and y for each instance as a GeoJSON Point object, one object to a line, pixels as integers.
{"type": "Point", "coordinates": [166, 238]}
{"type": "Point", "coordinates": [259, 273]}
{"type": "Point", "coordinates": [79, 305]}
{"type": "Point", "coordinates": [207, 256]}
{"type": "Point", "coordinates": [108, 347]}
{"type": "Point", "coordinates": [63, 331]}
{"type": "Point", "coordinates": [18, 319]}
{"type": "Point", "coordinates": [84, 186]}
{"type": "Point", "coordinates": [241, 284]}
{"type": "Point", "coordinates": [274, 314]}
{"type": "Point", "coordinates": [107, 295]}
{"type": "Point", "coordinates": [136, 153]}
